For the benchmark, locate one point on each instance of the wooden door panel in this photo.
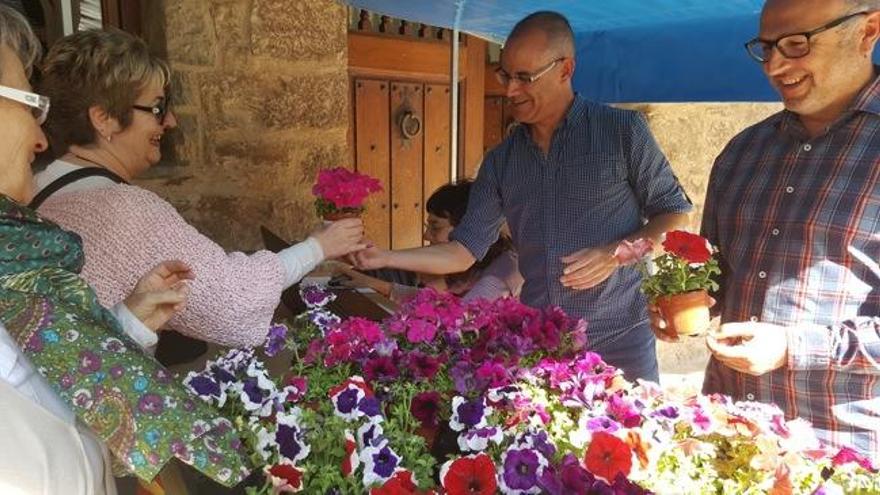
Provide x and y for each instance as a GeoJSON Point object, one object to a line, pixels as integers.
{"type": "Point", "coordinates": [494, 124]}
{"type": "Point", "coordinates": [437, 138]}
{"type": "Point", "coordinates": [407, 160]}
{"type": "Point", "coordinates": [372, 125]}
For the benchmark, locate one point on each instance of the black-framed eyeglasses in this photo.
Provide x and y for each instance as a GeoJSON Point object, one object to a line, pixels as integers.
{"type": "Point", "coordinates": [794, 45]}
{"type": "Point", "coordinates": [525, 77]}
{"type": "Point", "coordinates": [159, 110]}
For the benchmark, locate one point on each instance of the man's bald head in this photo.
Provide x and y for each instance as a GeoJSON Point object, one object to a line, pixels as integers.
{"type": "Point", "coordinates": [553, 25]}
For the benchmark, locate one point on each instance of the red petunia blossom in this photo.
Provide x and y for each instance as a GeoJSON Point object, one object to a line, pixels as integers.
{"type": "Point", "coordinates": [469, 475]}
{"type": "Point", "coordinates": [285, 478]}
{"type": "Point", "coordinates": [690, 247]}
{"type": "Point", "coordinates": [351, 460]}
{"type": "Point", "coordinates": [607, 456]}
{"type": "Point", "coordinates": [400, 484]}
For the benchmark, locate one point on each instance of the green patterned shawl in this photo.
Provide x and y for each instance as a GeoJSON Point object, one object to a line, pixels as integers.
{"type": "Point", "coordinates": [133, 403]}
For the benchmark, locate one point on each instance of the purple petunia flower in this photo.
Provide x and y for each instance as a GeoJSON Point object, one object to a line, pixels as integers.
{"type": "Point", "coordinates": [275, 340]}
{"type": "Point", "coordinates": [520, 470]}
{"type": "Point", "coordinates": [315, 296]}
{"type": "Point", "coordinates": [380, 463]}
{"type": "Point", "coordinates": [347, 401]}
{"type": "Point", "coordinates": [602, 423]}
{"type": "Point", "coordinates": [290, 442]}
{"type": "Point", "coordinates": [668, 412]}
{"type": "Point", "coordinates": [370, 406]}
{"type": "Point", "coordinates": [468, 414]}
{"type": "Point", "coordinates": [477, 439]}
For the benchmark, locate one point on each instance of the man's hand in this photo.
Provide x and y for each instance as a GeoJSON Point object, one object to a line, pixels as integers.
{"type": "Point", "coordinates": [750, 347]}
{"type": "Point", "coordinates": [341, 237]}
{"type": "Point", "coordinates": [661, 328]}
{"type": "Point", "coordinates": [160, 293]}
{"type": "Point", "coordinates": [589, 267]}
{"type": "Point", "coordinates": [370, 258]}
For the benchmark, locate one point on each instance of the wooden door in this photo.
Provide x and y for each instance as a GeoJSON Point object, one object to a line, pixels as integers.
{"type": "Point", "coordinates": [372, 155]}
{"type": "Point", "coordinates": [437, 138]}
{"type": "Point", "coordinates": [407, 162]}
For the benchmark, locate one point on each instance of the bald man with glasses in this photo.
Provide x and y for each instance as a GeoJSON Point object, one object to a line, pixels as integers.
{"type": "Point", "coordinates": [572, 181]}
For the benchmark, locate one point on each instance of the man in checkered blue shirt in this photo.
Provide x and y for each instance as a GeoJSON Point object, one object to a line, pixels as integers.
{"type": "Point", "coordinates": [794, 207]}
{"type": "Point", "coordinates": [572, 182]}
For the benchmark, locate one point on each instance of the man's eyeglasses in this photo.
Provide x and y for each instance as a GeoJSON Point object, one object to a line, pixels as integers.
{"type": "Point", "coordinates": [159, 110]}
{"type": "Point", "coordinates": [39, 104]}
{"type": "Point", "coordinates": [525, 78]}
{"type": "Point", "coordinates": [795, 45]}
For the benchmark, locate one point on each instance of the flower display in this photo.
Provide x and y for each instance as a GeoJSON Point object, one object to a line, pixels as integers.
{"type": "Point", "coordinates": [514, 404]}
{"type": "Point", "coordinates": [340, 191]}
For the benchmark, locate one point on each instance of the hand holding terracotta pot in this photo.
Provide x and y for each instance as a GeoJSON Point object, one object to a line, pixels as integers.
{"type": "Point", "coordinates": [678, 288]}
{"type": "Point", "coordinates": [686, 315]}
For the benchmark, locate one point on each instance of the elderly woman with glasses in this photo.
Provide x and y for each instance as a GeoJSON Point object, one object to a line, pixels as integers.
{"type": "Point", "coordinates": [109, 118]}
{"type": "Point", "coordinates": [75, 383]}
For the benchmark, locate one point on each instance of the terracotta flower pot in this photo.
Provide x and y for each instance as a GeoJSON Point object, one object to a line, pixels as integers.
{"type": "Point", "coordinates": [339, 215]}
{"type": "Point", "coordinates": [687, 313]}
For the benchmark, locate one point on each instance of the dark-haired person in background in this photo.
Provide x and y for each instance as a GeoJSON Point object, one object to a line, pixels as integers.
{"type": "Point", "coordinates": [495, 276]}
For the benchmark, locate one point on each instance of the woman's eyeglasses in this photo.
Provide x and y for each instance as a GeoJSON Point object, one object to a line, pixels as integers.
{"type": "Point", "coordinates": [159, 110]}
{"type": "Point", "coordinates": [39, 104]}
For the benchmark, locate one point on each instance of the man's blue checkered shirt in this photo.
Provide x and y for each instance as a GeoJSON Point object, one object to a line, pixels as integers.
{"type": "Point", "coordinates": [603, 177]}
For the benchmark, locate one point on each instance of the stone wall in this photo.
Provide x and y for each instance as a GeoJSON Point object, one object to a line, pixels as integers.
{"type": "Point", "coordinates": [262, 102]}
{"type": "Point", "coordinates": [693, 134]}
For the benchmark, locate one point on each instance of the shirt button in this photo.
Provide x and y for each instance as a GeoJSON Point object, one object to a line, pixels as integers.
{"type": "Point", "coordinates": [762, 274]}
{"type": "Point", "coordinates": [750, 396]}
{"type": "Point", "coordinates": [753, 319]}
{"type": "Point", "coordinates": [775, 231]}
{"type": "Point", "coordinates": [789, 189]}
{"type": "Point", "coordinates": [807, 147]}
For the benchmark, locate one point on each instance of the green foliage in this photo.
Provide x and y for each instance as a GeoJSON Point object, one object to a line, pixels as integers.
{"type": "Point", "coordinates": [674, 275]}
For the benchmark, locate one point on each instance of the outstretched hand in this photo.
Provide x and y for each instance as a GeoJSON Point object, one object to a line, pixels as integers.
{"type": "Point", "coordinates": [341, 237]}
{"type": "Point", "coordinates": [370, 258]}
{"type": "Point", "coordinates": [160, 293]}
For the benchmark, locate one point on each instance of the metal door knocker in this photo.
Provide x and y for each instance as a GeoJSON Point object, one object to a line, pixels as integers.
{"type": "Point", "coordinates": [410, 125]}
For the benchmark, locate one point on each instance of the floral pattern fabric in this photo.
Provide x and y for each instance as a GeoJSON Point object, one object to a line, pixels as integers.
{"type": "Point", "coordinates": [133, 403]}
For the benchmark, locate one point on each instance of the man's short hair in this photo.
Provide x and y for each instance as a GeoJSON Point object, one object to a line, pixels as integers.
{"type": "Point", "coordinates": [553, 24]}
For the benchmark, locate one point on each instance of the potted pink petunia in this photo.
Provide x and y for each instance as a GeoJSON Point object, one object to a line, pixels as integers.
{"type": "Point", "coordinates": [341, 193]}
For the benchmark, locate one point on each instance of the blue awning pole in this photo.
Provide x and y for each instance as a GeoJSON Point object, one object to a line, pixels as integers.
{"type": "Point", "coordinates": [453, 148]}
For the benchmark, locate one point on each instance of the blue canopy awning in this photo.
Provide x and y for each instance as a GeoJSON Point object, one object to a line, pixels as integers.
{"type": "Point", "coordinates": [627, 50]}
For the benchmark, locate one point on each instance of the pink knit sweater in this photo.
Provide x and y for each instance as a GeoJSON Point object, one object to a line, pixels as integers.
{"type": "Point", "coordinates": [127, 231]}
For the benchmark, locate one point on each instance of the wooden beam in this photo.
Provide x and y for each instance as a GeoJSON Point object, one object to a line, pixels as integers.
{"type": "Point", "coordinates": [473, 107]}
{"type": "Point", "coordinates": [382, 56]}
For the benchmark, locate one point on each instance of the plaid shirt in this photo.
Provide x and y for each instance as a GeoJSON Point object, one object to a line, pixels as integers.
{"type": "Point", "coordinates": [601, 178]}
{"type": "Point", "coordinates": [797, 222]}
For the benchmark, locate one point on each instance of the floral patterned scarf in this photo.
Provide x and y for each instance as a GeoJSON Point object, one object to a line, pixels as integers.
{"type": "Point", "coordinates": [133, 403]}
